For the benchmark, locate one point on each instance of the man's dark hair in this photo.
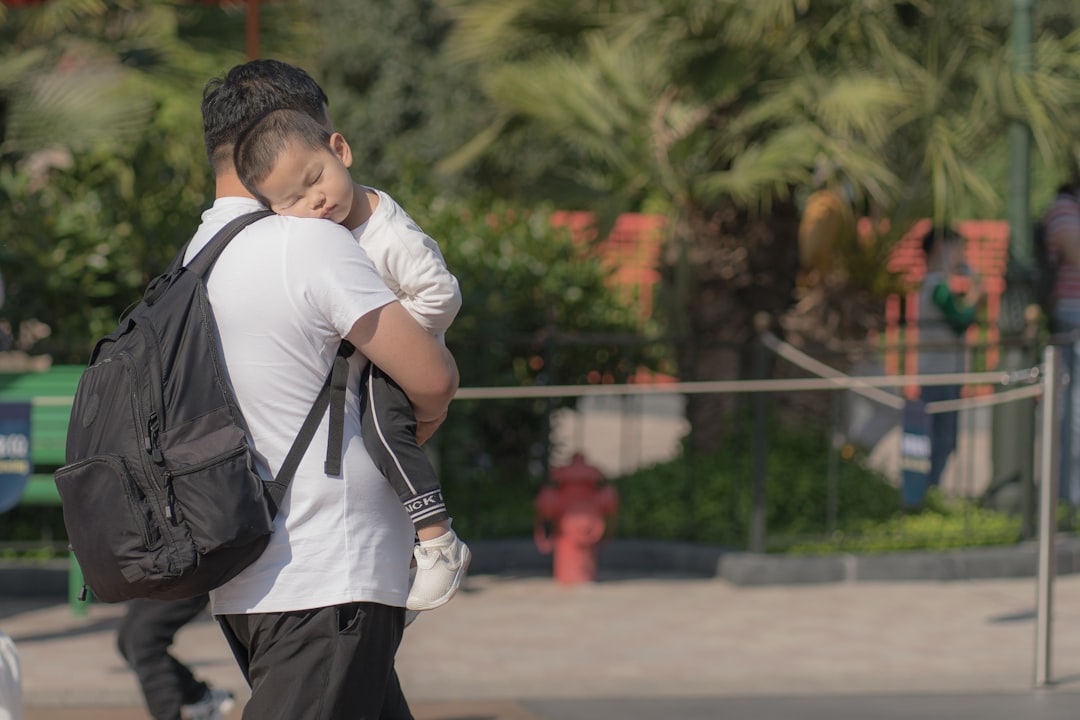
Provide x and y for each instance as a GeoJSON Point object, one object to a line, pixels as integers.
{"type": "Point", "coordinates": [1071, 184]}
{"type": "Point", "coordinates": [261, 144]}
{"type": "Point", "coordinates": [937, 234]}
{"type": "Point", "coordinates": [246, 93]}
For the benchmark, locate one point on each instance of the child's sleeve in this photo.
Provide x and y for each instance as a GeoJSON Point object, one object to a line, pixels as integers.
{"type": "Point", "coordinates": [429, 289]}
{"type": "Point", "coordinates": [423, 283]}
{"type": "Point", "coordinates": [957, 315]}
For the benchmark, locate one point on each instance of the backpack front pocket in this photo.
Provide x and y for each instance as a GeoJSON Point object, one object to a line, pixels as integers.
{"type": "Point", "coordinates": [113, 534]}
{"type": "Point", "coordinates": [221, 501]}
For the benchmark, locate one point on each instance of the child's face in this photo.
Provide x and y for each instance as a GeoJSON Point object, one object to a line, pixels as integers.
{"type": "Point", "coordinates": [311, 183]}
{"type": "Point", "coordinates": [954, 254]}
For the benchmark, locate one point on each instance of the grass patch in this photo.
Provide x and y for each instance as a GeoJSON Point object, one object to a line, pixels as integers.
{"type": "Point", "coordinates": [941, 525]}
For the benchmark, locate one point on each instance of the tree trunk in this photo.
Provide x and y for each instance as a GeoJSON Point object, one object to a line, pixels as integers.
{"type": "Point", "coordinates": [724, 266]}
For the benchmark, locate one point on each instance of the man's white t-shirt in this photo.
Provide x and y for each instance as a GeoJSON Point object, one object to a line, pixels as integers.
{"type": "Point", "coordinates": [283, 293]}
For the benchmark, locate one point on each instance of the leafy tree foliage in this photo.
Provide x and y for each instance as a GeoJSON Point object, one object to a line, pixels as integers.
{"type": "Point", "coordinates": [720, 111]}
{"type": "Point", "coordinates": [389, 95]}
{"type": "Point", "coordinates": [84, 240]}
{"type": "Point", "coordinates": [102, 169]}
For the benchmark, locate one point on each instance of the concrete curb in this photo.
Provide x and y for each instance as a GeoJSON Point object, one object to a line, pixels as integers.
{"type": "Point", "coordinates": [621, 557]}
{"type": "Point", "coordinates": [650, 557]}
{"type": "Point", "coordinates": [1013, 561]}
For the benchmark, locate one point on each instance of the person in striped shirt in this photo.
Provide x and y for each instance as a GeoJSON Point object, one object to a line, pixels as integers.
{"type": "Point", "coordinates": [1061, 229]}
{"type": "Point", "coordinates": [1061, 224]}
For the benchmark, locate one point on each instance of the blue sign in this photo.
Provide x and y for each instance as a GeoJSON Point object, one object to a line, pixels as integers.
{"type": "Point", "coordinates": [915, 453]}
{"type": "Point", "coordinates": [15, 462]}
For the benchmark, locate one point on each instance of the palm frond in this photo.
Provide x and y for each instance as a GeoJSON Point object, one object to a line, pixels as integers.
{"type": "Point", "coordinates": [48, 19]}
{"type": "Point", "coordinates": [16, 66]}
{"type": "Point", "coordinates": [77, 109]}
{"type": "Point", "coordinates": [473, 150]}
{"type": "Point", "coordinates": [763, 168]}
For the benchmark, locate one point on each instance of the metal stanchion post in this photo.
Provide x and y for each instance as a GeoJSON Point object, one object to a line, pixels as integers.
{"type": "Point", "coordinates": [758, 518]}
{"type": "Point", "coordinates": [1048, 495]}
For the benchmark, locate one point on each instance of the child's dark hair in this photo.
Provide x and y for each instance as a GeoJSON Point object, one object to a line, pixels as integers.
{"type": "Point", "coordinates": [247, 92]}
{"type": "Point", "coordinates": [937, 233]}
{"type": "Point", "coordinates": [259, 146]}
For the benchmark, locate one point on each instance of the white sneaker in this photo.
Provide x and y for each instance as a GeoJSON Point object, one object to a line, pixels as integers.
{"type": "Point", "coordinates": [214, 705]}
{"type": "Point", "coordinates": [440, 567]}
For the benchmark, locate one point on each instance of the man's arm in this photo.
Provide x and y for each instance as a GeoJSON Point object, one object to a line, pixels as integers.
{"type": "Point", "coordinates": [420, 364]}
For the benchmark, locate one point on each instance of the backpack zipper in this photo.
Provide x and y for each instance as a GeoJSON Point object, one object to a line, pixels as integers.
{"type": "Point", "coordinates": [150, 442]}
{"type": "Point", "coordinates": [157, 494]}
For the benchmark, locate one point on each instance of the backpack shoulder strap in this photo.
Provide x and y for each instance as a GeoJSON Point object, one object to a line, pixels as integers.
{"type": "Point", "coordinates": [205, 259]}
{"type": "Point", "coordinates": [332, 393]}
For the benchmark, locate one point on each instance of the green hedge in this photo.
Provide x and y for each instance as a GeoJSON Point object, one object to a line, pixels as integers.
{"type": "Point", "coordinates": [707, 499]}
{"type": "Point", "coordinates": [941, 524]}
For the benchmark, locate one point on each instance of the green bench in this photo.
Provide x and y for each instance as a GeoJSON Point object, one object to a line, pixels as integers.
{"type": "Point", "coordinates": [49, 394]}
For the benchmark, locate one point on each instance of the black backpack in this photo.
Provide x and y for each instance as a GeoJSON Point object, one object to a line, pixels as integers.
{"type": "Point", "coordinates": [160, 494]}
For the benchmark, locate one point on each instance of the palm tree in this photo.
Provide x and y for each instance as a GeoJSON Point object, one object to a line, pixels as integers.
{"type": "Point", "coordinates": [720, 110]}
{"type": "Point", "coordinates": [102, 174]}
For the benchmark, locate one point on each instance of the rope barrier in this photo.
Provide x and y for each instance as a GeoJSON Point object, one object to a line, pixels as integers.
{"type": "Point", "coordinates": [797, 357]}
{"type": "Point", "coordinates": [868, 386]}
{"type": "Point", "coordinates": [736, 386]}
{"type": "Point", "coordinates": [984, 400]}
{"type": "Point", "coordinates": [800, 359]}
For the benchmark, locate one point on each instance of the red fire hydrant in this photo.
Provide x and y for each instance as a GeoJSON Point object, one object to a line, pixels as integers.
{"type": "Point", "coordinates": [573, 506]}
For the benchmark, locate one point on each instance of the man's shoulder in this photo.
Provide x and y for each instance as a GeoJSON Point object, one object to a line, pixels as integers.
{"type": "Point", "coordinates": [229, 208]}
{"type": "Point", "coordinates": [323, 234]}
{"type": "Point", "coordinates": [311, 227]}
{"type": "Point", "coordinates": [329, 238]}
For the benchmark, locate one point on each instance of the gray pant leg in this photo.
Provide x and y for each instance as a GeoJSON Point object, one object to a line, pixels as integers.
{"type": "Point", "coordinates": [146, 633]}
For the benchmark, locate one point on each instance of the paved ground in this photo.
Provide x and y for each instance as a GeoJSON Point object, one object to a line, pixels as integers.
{"type": "Point", "coordinates": [525, 648]}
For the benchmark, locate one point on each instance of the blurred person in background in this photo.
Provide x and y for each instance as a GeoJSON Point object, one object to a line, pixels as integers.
{"type": "Point", "coordinates": [170, 689]}
{"type": "Point", "coordinates": [11, 697]}
{"type": "Point", "coordinates": [944, 318]}
{"type": "Point", "coordinates": [1061, 238]}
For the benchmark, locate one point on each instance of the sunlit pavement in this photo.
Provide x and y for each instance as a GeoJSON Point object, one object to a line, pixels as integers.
{"type": "Point", "coordinates": [526, 648]}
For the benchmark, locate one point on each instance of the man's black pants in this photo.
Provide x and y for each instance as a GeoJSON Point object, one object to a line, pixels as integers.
{"type": "Point", "coordinates": [331, 663]}
{"type": "Point", "coordinates": [145, 636]}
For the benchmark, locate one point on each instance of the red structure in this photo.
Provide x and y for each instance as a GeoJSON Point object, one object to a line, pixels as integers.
{"type": "Point", "coordinates": [631, 251]}
{"type": "Point", "coordinates": [573, 506]}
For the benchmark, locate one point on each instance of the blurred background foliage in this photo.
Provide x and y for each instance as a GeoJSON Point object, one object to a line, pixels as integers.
{"type": "Point", "coordinates": [483, 116]}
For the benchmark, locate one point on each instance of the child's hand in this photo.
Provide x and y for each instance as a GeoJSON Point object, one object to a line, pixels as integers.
{"type": "Point", "coordinates": [426, 428]}
{"type": "Point", "coordinates": [976, 295]}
